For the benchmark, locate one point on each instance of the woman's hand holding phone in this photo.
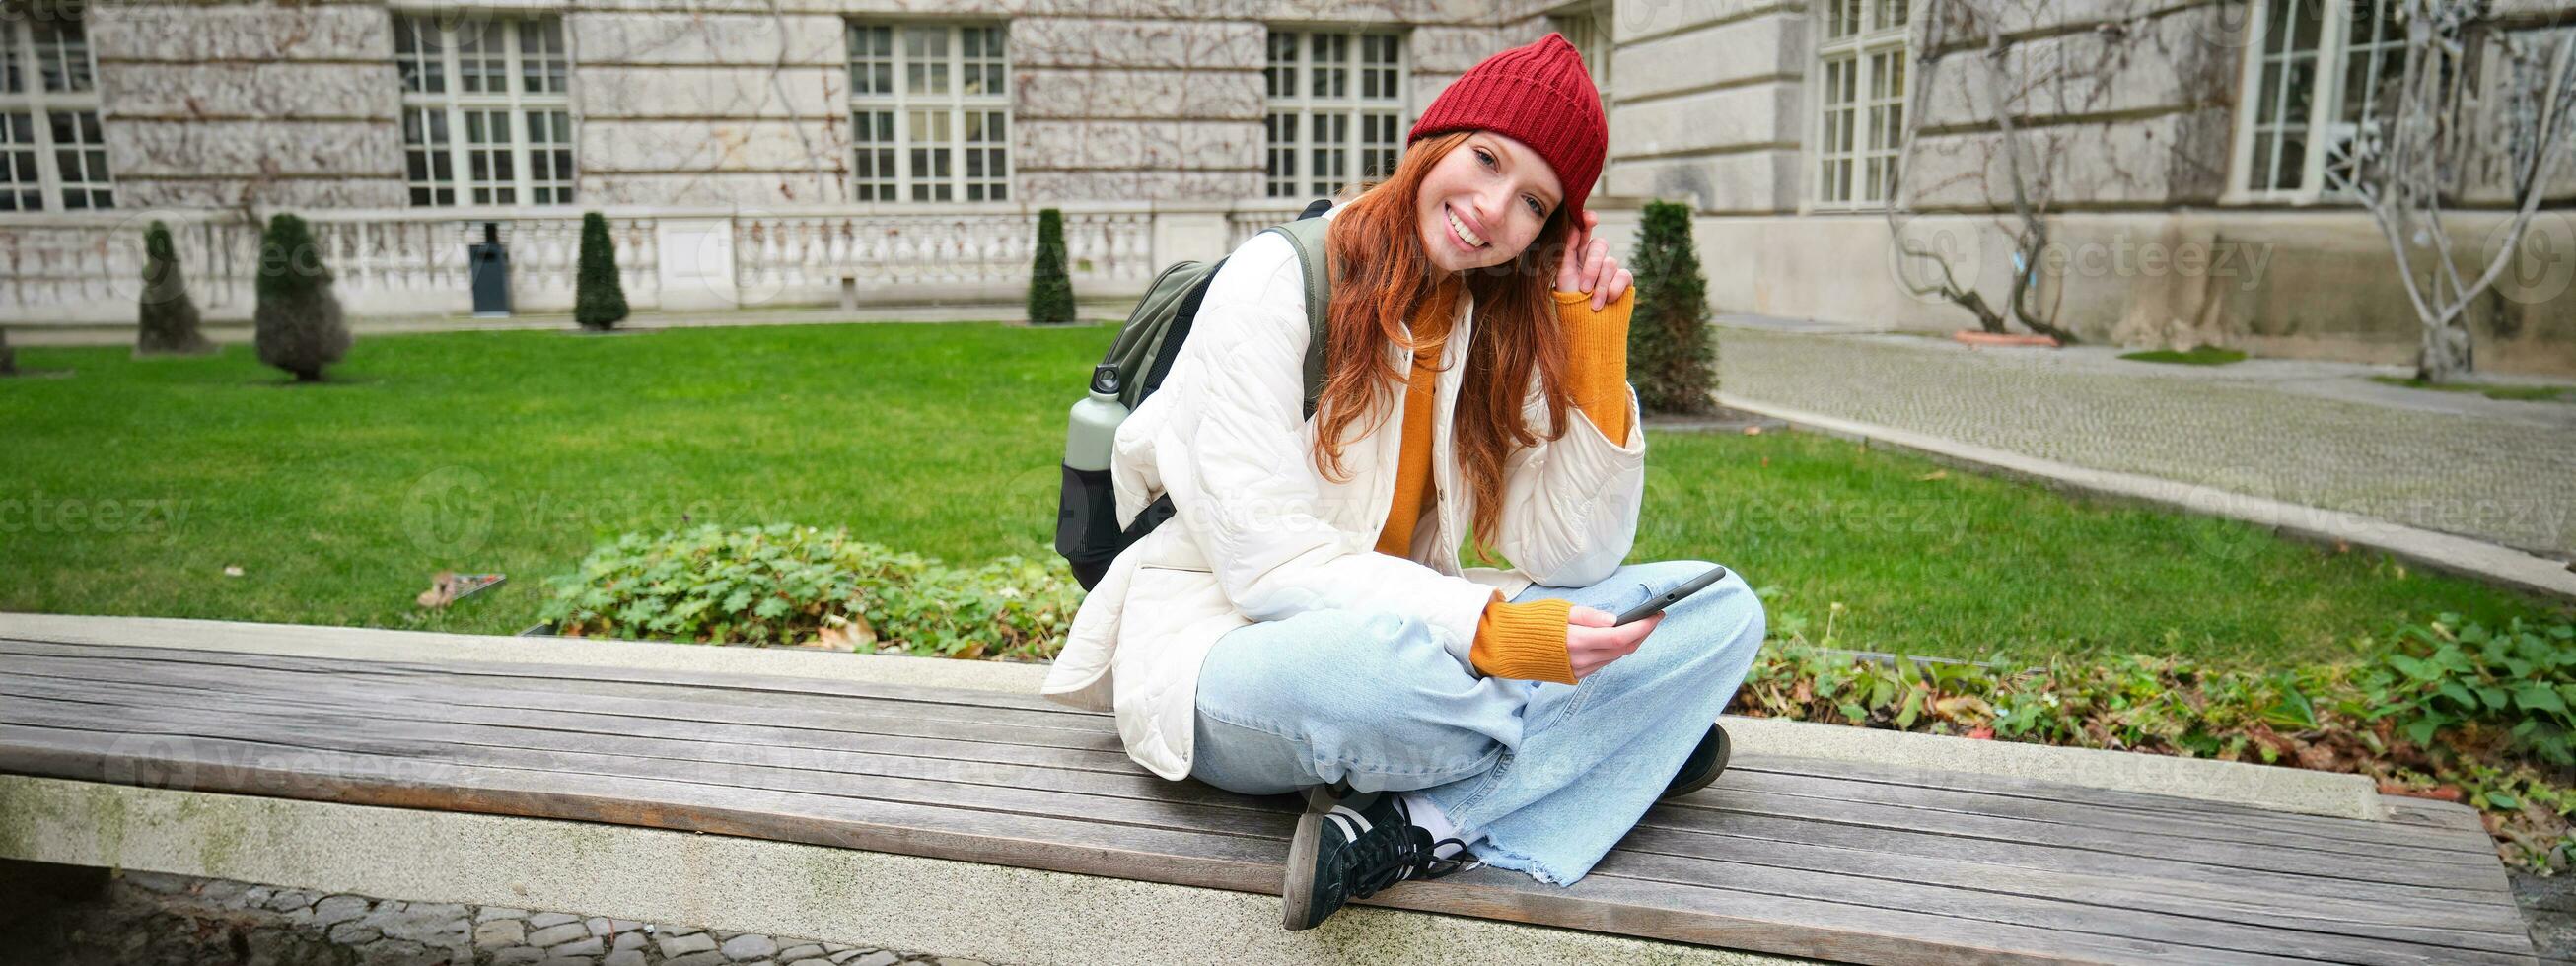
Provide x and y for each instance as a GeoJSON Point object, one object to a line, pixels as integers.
{"type": "Point", "coordinates": [1592, 642]}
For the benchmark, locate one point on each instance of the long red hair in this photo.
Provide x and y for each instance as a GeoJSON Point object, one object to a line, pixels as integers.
{"type": "Point", "coordinates": [1381, 276]}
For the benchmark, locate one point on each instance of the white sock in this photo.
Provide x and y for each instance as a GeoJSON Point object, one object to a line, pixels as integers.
{"type": "Point", "coordinates": [1431, 818]}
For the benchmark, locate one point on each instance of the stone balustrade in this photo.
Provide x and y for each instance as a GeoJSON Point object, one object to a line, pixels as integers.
{"type": "Point", "coordinates": [87, 268]}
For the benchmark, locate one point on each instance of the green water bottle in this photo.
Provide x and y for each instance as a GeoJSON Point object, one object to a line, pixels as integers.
{"type": "Point", "coordinates": [1094, 424]}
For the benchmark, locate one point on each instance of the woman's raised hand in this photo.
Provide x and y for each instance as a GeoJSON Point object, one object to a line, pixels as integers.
{"type": "Point", "coordinates": [1588, 267]}
{"type": "Point", "coordinates": [1592, 643]}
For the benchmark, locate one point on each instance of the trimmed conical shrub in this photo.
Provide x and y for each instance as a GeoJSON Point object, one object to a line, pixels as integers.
{"type": "Point", "coordinates": [8, 356]}
{"type": "Point", "coordinates": [297, 322]}
{"type": "Point", "coordinates": [167, 320]}
{"type": "Point", "coordinates": [1050, 287]}
{"type": "Point", "coordinates": [1672, 359]}
{"type": "Point", "coordinates": [599, 299]}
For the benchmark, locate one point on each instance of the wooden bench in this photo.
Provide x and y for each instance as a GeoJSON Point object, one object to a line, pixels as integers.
{"type": "Point", "coordinates": [1782, 855]}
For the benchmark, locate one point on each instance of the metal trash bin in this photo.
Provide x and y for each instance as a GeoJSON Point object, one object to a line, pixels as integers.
{"type": "Point", "coordinates": [487, 267]}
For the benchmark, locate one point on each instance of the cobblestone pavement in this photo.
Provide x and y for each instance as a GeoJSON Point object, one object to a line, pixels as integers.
{"type": "Point", "coordinates": [2307, 433]}
{"type": "Point", "coordinates": [2550, 906]}
{"type": "Point", "coordinates": [150, 919]}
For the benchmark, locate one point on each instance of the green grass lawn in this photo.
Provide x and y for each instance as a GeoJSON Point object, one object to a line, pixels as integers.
{"type": "Point", "coordinates": [518, 451]}
{"type": "Point", "coordinates": [2201, 356]}
{"type": "Point", "coordinates": [2506, 391]}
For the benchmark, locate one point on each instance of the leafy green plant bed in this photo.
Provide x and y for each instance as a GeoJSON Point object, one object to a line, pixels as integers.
{"type": "Point", "coordinates": [801, 586]}
{"type": "Point", "coordinates": [2446, 709]}
{"type": "Point", "coordinates": [2201, 356]}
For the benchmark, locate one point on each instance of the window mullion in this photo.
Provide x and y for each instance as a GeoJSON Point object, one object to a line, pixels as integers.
{"type": "Point", "coordinates": [901, 86]}
{"type": "Point", "coordinates": [956, 107]}
{"type": "Point", "coordinates": [40, 122]}
{"type": "Point", "coordinates": [459, 147]}
{"type": "Point", "coordinates": [2325, 109]}
{"type": "Point", "coordinates": [2249, 128]}
{"type": "Point", "coordinates": [513, 89]}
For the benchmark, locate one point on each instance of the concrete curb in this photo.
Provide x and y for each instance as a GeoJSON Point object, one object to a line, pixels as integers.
{"type": "Point", "coordinates": [2258, 786]}
{"type": "Point", "coordinates": [723, 882]}
{"type": "Point", "coordinates": [2449, 553]}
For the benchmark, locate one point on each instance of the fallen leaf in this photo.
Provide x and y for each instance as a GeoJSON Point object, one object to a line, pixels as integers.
{"type": "Point", "coordinates": [1753, 431]}
{"type": "Point", "coordinates": [232, 571]}
{"type": "Point", "coordinates": [1981, 734]}
{"type": "Point", "coordinates": [442, 589]}
{"type": "Point", "coordinates": [1934, 475]}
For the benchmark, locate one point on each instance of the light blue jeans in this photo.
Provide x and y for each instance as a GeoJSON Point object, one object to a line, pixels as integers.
{"type": "Point", "coordinates": [1541, 777]}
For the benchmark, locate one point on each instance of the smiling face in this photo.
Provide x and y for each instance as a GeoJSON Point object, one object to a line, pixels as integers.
{"type": "Point", "coordinates": [1492, 190]}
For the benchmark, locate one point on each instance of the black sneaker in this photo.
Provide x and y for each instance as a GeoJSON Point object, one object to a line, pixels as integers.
{"type": "Point", "coordinates": [1702, 767]}
{"type": "Point", "coordinates": [1350, 847]}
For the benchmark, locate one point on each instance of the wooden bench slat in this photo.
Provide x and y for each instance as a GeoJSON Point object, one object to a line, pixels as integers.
{"type": "Point", "coordinates": [860, 713]}
{"type": "Point", "coordinates": [2114, 846]}
{"type": "Point", "coordinates": [244, 717]}
{"type": "Point", "coordinates": [332, 732]}
{"type": "Point", "coordinates": [1657, 863]}
{"type": "Point", "coordinates": [1933, 845]}
{"type": "Point", "coordinates": [962, 744]}
{"type": "Point", "coordinates": [784, 684]}
{"type": "Point", "coordinates": [941, 703]}
{"type": "Point", "coordinates": [2100, 899]}
{"type": "Point", "coordinates": [2082, 816]}
{"type": "Point", "coordinates": [2217, 813]}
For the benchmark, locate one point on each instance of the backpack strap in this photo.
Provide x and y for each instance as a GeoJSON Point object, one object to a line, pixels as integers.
{"type": "Point", "coordinates": [1306, 235]}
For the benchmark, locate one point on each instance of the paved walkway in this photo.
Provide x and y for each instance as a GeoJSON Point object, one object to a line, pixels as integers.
{"type": "Point", "coordinates": [2310, 433]}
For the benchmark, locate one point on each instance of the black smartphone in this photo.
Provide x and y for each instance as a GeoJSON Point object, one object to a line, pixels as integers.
{"type": "Point", "coordinates": [1656, 604]}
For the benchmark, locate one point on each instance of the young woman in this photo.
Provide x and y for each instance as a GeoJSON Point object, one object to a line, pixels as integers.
{"type": "Point", "coordinates": [1304, 622]}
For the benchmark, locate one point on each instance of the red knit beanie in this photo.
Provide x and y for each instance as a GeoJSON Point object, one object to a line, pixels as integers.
{"type": "Point", "coordinates": [1539, 95]}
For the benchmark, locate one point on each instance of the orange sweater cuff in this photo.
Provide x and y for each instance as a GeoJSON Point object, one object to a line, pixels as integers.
{"type": "Point", "coordinates": [1524, 641]}
{"type": "Point", "coordinates": [1598, 361]}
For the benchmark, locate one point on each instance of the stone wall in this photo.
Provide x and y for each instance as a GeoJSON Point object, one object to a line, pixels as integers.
{"type": "Point", "coordinates": [1708, 103]}
{"type": "Point", "coordinates": [680, 105]}
{"type": "Point", "coordinates": [2131, 110]}
{"type": "Point", "coordinates": [224, 104]}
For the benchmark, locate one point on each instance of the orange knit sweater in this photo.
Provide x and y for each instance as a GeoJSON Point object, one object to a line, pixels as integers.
{"type": "Point", "coordinates": [1524, 640]}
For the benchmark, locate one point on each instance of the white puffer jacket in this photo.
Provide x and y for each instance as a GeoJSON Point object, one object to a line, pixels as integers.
{"type": "Point", "coordinates": [1258, 534]}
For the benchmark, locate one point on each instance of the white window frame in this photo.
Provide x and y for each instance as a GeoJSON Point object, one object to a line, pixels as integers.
{"type": "Point", "coordinates": [931, 127]}
{"type": "Point", "coordinates": [1878, 49]}
{"type": "Point", "coordinates": [1587, 25]}
{"type": "Point", "coordinates": [1350, 112]}
{"type": "Point", "coordinates": [2324, 125]}
{"type": "Point", "coordinates": [78, 101]}
{"type": "Point", "coordinates": [460, 110]}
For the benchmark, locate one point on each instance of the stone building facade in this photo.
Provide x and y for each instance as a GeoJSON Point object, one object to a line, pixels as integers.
{"type": "Point", "coordinates": [869, 151]}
